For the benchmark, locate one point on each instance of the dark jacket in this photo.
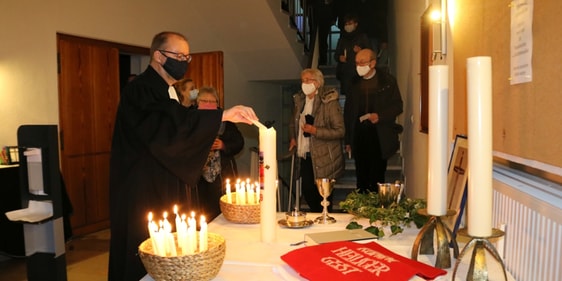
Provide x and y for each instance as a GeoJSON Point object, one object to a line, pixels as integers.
{"type": "Point", "coordinates": [380, 95]}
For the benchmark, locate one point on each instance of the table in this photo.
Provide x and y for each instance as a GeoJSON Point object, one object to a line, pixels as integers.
{"type": "Point", "coordinates": [248, 259]}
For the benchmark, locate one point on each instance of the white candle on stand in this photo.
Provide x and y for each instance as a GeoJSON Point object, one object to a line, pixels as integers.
{"type": "Point", "coordinates": [479, 97]}
{"type": "Point", "coordinates": [268, 212]}
{"type": "Point", "coordinates": [203, 240]}
{"type": "Point", "coordinates": [258, 199]}
{"type": "Point", "coordinates": [438, 125]}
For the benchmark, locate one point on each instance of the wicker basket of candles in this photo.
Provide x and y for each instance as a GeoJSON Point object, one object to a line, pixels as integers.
{"type": "Point", "coordinates": [199, 265]}
{"type": "Point", "coordinates": [236, 211]}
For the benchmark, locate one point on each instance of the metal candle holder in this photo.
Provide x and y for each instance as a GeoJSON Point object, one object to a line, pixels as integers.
{"type": "Point", "coordinates": [477, 270]}
{"type": "Point", "coordinates": [424, 241]}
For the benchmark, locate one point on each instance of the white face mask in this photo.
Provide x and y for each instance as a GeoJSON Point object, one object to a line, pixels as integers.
{"type": "Point", "coordinates": [308, 88]}
{"type": "Point", "coordinates": [349, 28]}
{"type": "Point", "coordinates": [193, 94]}
{"type": "Point", "coordinates": [362, 70]}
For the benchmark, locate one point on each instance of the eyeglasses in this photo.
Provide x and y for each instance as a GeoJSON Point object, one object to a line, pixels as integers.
{"type": "Point", "coordinates": [179, 56]}
{"type": "Point", "coordinates": [207, 101]}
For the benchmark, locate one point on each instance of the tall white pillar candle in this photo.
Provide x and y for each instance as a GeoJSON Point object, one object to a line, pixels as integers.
{"type": "Point", "coordinates": [268, 215]}
{"type": "Point", "coordinates": [438, 125]}
{"type": "Point", "coordinates": [479, 97]}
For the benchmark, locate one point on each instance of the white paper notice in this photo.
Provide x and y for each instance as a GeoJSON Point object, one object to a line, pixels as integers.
{"type": "Point", "coordinates": [521, 41]}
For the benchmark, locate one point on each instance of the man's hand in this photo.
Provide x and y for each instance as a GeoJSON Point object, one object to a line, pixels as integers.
{"type": "Point", "coordinates": [374, 118]}
{"type": "Point", "coordinates": [239, 114]}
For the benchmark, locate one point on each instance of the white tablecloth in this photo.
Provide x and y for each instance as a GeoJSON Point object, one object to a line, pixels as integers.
{"type": "Point", "coordinates": [248, 259]}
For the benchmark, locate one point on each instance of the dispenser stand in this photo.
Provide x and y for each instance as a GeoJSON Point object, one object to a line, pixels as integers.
{"type": "Point", "coordinates": [40, 181]}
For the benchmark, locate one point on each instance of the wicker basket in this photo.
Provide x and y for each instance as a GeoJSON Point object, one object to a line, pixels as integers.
{"type": "Point", "coordinates": [196, 267]}
{"type": "Point", "coordinates": [246, 214]}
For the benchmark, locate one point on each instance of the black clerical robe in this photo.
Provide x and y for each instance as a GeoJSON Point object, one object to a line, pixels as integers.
{"type": "Point", "coordinates": [158, 147]}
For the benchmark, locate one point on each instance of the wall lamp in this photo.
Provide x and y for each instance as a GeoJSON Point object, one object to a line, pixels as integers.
{"type": "Point", "coordinates": [439, 18]}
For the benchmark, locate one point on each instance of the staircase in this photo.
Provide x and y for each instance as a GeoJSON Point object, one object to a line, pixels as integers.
{"type": "Point", "coordinates": [298, 20]}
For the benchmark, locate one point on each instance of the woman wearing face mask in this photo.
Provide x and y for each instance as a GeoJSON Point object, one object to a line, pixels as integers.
{"type": "Point", "coordinates": [188, 93]}
{"type": "Point", "coordinates": [351, 41]}
{"type": "Point", "coordinates": [316, 131]}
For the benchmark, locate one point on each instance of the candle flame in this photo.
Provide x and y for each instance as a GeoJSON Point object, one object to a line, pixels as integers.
{"type": "Point", "coordinates": [149, 216]}
{"type": "Point", "coordinates": [176, 209]}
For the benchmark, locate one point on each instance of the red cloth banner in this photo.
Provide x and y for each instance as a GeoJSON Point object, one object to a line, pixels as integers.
{"type": "Point", "coordinates": [356, 262]}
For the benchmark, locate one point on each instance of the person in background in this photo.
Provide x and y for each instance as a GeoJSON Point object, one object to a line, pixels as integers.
{"type": "Point", "coordinates": [228, 143]}
{"type": "Point", "coordinates": [370, 113]}
{"type": "Point", "coordinates": [351, 41]}
{"type": "Point", "coordinates": [158, 146]}
{"type": "Point", "coordinates": [323, 17]}
{"type": "Point", "coordinates": [187, 90]}
{"type": "Point", "coordinates": [316, 130]}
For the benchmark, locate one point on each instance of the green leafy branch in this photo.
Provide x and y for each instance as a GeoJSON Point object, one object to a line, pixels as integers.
{"type": "Point", "coordinates": [396, 216]}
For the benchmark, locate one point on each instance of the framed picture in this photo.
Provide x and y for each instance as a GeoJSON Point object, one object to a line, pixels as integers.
{"type": "Point", "coordinates": [457, 179]}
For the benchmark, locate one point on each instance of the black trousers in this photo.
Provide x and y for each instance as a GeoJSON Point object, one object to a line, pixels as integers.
{"type": "Point", "coordinates": [370, 168]}
{"type": "Point", "coordinates": [309, 189]}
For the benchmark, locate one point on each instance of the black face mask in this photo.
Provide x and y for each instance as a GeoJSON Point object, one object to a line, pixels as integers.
{"type": "Point", "coordinates": [175, 68]}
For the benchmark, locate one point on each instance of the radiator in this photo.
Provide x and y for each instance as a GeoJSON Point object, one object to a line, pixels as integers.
{"type": "Point", "coordinates": [531, 210]}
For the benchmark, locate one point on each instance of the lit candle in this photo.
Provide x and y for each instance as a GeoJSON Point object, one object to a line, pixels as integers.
{"type": "Point", "coordinates": [160, 239]}
{"type": "Point", "coordinates": [250, 192]}
{"type": "Point", "coordinates": [203, 240]}
{"type": "Point", "coordinates": [191, 234]}
{"type": "Point", "coordinates": [151, 232]}
{"type": "Point", "coordinates": [170, 243]}
{"type": "Point", "coordinates": [268, 212]}
{"type": "Point", "coordinates": [258, 199]}
{"type": "Point", "coordinates": [182, 234]}
{"type": "Point", "coordinates": [242, 193]}
{"type": "Point", "coordinates": [178, 219]}
{"type": "Point", "coordinates": [237, 186]}
{"type": "Point", "coordinates": [479, 96]}
{"type": "Point", "coordinates": [438, 125]}
{"type": "Point", "coordinates": [228, 192]}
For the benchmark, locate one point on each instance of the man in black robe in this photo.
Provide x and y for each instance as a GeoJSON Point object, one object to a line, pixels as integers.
{"type": "Point", "coordinates": [158, 147]}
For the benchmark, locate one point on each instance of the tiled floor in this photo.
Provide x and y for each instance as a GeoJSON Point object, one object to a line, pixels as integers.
{"type": "Point", "coordinates": [86, 260]}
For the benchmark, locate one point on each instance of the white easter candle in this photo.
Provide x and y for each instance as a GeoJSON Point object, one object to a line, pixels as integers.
{"type": "Point", "coordinates": [479, 96]}
{"type": "Point", "coordinates": [268, 215]}
{"type": "Point", "coordinates": [438, 125]}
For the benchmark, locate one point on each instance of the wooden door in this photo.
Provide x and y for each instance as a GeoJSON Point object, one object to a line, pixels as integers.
{"type": "Point", "coordinates": [88, 98]}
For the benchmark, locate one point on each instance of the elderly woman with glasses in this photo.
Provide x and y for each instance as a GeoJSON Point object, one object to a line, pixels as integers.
{"type": "Point", "coordinates": [316, 130]}
{"type": "Point", "coordinates": [228, 143]}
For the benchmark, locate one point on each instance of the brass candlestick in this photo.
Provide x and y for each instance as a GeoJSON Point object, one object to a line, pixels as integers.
{"type": "Point", "coordinates": [424, 241]}
{"type": "Point", "coordinates": [477, 270]}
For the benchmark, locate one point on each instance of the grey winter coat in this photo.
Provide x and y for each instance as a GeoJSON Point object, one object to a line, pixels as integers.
{"type": "Point", "coordinates": [326, 147]}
